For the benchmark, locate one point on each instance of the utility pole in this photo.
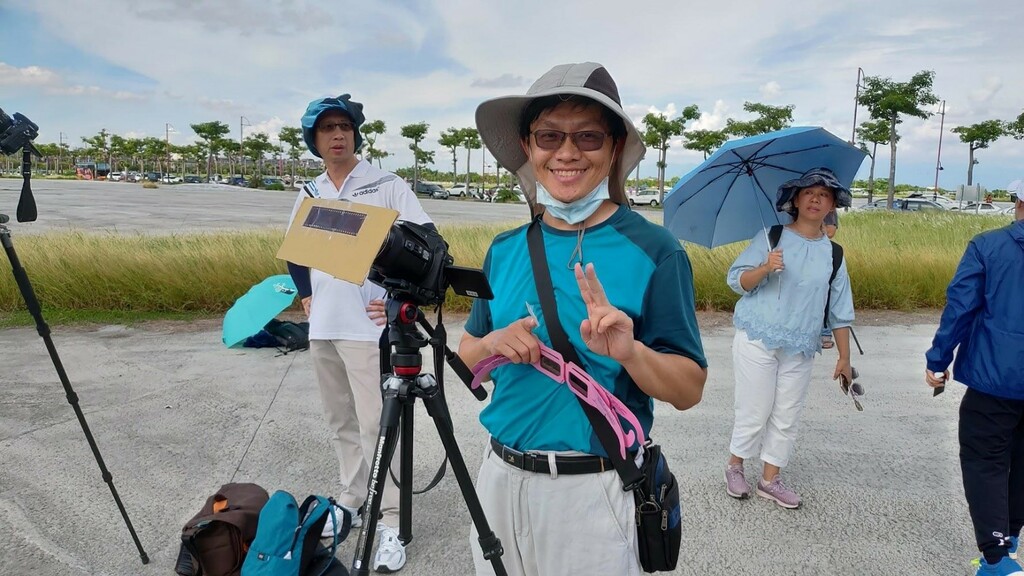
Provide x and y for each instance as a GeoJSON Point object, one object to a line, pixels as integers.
{"type": "Point", "coordinates": [938, 156]}
{"type": "Point", "coordinates": [167, 148]}
{"type": "Point", "coordinates": [856, 101]}
{"type": "Point", "coordinates": [242, 121]}
{"type": "Point", "coordinates": [60, 151]}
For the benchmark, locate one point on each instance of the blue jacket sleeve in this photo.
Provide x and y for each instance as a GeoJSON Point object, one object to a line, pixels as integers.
{"type": "Point", "coordinates": [300, 275]}
{"type": "Point", "coordinates": [964, 298]}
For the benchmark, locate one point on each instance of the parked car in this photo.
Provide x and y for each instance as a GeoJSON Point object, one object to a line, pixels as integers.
{"type": "Point", "coordinates": [238, 181]}
{"type": "Point", "coordinates": [986, 208]}
{"type": "Point", "coordinates": [299, 182]}
{"type": "Point", "coordinates": [916, 205]}
{"type": "Point", "coordinates": [192, 179]}
{"type": "Point", "coordinates": [647, 196]}
{"type": "Point", "coordinates": [171, 179]}
{"type": "Point", "coordinates": [115, 176]}
{"type": "Point", "coordinates": [431, 189]}
{"type": "Point", "coordinates": [460, 190]}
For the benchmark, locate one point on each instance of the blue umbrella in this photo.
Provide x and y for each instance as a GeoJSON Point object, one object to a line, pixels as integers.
{"type": "Point", "coordinates": [731, 196]}
{"type": "Point", "coordinates": [259, 305]}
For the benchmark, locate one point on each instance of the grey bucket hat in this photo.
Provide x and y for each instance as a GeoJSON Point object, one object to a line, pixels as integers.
{"type": "Point", "coordinates": [815, 177]}
{"type": "Point", "coordinates": [498, 119]}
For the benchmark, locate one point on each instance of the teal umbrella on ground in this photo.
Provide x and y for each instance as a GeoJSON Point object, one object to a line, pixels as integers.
{"type": "Point", "coordinates": [259, 305]}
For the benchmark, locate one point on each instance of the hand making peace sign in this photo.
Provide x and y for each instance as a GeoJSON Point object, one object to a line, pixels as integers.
{"type": "Point", "coordinates": [607, 330]}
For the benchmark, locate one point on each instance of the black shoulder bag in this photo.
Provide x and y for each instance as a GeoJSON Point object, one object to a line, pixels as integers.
{"type": "Point", "coordinates": [654, 487]}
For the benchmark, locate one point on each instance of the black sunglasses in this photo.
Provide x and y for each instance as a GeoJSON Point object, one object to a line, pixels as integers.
{"type": "Point", "coordinates": [585, 140]}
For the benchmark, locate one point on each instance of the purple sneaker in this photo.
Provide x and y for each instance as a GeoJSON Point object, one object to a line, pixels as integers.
{"type": "Point", "coordinates": [778, 492]}
{"type": "Point", "coordinates": [735, 482]}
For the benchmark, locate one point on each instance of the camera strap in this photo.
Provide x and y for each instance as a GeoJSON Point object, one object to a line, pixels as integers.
{"type": "Point", "coordinates": [627, 469]}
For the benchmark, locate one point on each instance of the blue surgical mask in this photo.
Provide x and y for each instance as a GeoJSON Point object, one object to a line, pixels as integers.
{"type": "Point", "coordinates": [578, 210]}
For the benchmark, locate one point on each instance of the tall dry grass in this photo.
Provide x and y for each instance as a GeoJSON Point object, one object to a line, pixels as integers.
{"type": "Point", "coordinates": [896, 261]}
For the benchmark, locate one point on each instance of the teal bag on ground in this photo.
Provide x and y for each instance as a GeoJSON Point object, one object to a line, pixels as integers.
{"type": "Point", "coordinates": [287, 539]}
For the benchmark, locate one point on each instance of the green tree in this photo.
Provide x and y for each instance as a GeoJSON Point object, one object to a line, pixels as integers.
{"type": "Point", "coordinates": [1015, 128]}
{"type": "Point", "coordinates": [98, 146]}
{"type": "Point", "coordinates": [770, 118]}
{"type": "Point", "coordinates": [292, 136]}
{"type": "Point", "coordinates": [416, 132]}
{"type": "Point", "coordinates": [210, 133]}
{"type": "Point", "coordinates": [452, 140]}
{"type": "Point", "coordinates": [154, 150]}
{"type": "Point", "coordinates": [371, 131]}
{"type": "Point", "coordinates": [659, 130]}
{"type": "Point", "coordinates": [888, 100]}
{"type": "Point", "coordinates": [706, 141]}
{"type": "Point", "coordinates": [255, 147]}
{"type": "Point", "coordinates": [876, 132]}
{"type": "Point", "coordinates": [118, 150]}
{"type": "Point", "coordinates": [978, 136]}
{"type": "Point", "coordinates": [471, 141]}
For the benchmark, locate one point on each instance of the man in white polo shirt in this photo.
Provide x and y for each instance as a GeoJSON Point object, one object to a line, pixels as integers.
{"type": "Point", "coordinates": [346, 320]}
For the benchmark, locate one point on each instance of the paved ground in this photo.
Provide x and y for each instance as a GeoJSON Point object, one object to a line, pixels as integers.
{"type": "Point", "coordinates": [175, 415]}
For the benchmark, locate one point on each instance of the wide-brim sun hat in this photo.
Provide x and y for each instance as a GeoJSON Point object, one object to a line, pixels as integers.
{"type": "Point", "coordinates": [344, 104]}
{"type": "Point", "coordinates": [498, 120]}
{"type": "Point", "coordinates": [815, 177]}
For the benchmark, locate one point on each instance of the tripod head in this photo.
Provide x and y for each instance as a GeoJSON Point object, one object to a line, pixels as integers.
{"type": "Point", "coordinates": [19, 132]}
{"type": "Point", "coordinates": [404, 335]}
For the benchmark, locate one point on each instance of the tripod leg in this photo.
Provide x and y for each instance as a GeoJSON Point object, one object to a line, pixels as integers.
{"type": "Point", "coordinates": [490, 545]}
{"type": "Point", "coordinates": [405, 473]}
{"type": "Point", "coordinates": [395, 393]}
{"type": "Point", "coordinates": [21, 277]}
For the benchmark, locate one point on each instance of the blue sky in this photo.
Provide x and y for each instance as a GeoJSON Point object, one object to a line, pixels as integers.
{"type": "Point", "coordinates": [148, 68]}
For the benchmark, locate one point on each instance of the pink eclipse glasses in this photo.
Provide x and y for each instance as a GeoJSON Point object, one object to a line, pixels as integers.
{"type": "Point", "coordinates": [552, 365]}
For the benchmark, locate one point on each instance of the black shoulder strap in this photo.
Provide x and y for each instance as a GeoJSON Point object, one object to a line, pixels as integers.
{"type": "Point", "coordinates": [837, 261]}
{"type": "Point", "coordinates": [774, 234]}
{"type": "Point", "coordinates": [627, 470]}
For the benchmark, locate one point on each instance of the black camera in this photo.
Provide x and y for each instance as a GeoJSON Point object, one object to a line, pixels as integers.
{"type": "Point", "coordinates": [414, 265]}
{"type": "Point", "coordinates": [17, 132]}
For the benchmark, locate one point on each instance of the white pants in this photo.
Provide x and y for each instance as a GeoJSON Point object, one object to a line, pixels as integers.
{"type": "Point", "coordinates": [556, 526]}
{"type": "Point", "coordinates": [771, 389]}
{"type": "Point", "coordinates": [348, 373]}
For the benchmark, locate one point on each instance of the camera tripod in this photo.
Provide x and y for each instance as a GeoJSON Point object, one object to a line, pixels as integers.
{"type": "Point", "coordinates": [28, 294]}
{"type": "Point", "coordinates": [401, 387]}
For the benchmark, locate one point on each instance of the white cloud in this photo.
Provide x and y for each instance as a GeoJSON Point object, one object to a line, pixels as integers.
{"type": "Point", "coordinates": [27, 76]}
{"type": "Point", "coordinates": [266, 60]}
{"type": "Point", "coordinates": [770, 90]}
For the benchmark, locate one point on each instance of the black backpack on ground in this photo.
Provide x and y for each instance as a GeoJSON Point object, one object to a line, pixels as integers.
{"type": "Point", "coordinates": [284, 335]}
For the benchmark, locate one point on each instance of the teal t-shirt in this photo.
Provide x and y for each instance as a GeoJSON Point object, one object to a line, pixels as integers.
{"type": "Point", "coordinates": [645, 273]}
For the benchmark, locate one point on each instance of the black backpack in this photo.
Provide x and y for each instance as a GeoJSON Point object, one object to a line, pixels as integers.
{"type": "Point", "coordinates": [775, 233]}
{"type": "Point", "coordinates": [284, 335]}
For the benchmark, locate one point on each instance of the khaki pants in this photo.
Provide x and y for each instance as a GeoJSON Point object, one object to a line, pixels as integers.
{"type": "Point", "coordinates": [348, 373]}
{"type": "Point", "coordinates": [556, 526]}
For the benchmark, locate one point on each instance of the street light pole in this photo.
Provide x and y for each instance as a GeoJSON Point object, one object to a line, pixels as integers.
{"type": "Point", "coordinates": [242, 121]}
{"type": "Point", "coordinates": [856, 101]}
{"type": "Point", "coordinates": [60, 151]}
{"type": "Point", "coordinates": [938, 155]}
{"type": "Point", "coordinates": [167, 147]}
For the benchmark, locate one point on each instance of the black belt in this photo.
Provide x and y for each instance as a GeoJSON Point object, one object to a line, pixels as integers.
{"type": "Point", "coordinates": [539, 462]}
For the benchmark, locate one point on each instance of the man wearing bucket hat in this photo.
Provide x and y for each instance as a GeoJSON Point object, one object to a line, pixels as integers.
{"type": "Point", "coordinates": [778, 323]}
{"type": "Point", "coordinates": [635, 330]}
{"type": "Point", "coordinates": [984, 322]}
{"type": "Point", "coordinates": [345, 319]}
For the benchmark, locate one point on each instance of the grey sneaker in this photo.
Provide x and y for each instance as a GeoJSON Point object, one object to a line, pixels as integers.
{"type": "Point", "coordinates": [735, 482]}
{"type": "Point", "coordinates": [778, 492]}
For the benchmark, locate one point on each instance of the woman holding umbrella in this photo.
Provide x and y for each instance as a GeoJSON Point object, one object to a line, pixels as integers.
{"type": "Point", "coordinates": [778, 323]}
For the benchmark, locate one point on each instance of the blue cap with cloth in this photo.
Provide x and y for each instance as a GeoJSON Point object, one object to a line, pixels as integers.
{"type": "Point", "coordinates": [344, 104]}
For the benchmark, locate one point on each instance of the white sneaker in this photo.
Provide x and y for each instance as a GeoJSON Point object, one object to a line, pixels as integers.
{"type": "Point", "coordinates": [339, 511]}
{"type": "Point", "coordinates": [390, 551]}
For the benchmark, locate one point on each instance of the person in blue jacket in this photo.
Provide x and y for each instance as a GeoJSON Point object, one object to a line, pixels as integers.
{"type": "Point", "coordinates": [984, 322]}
